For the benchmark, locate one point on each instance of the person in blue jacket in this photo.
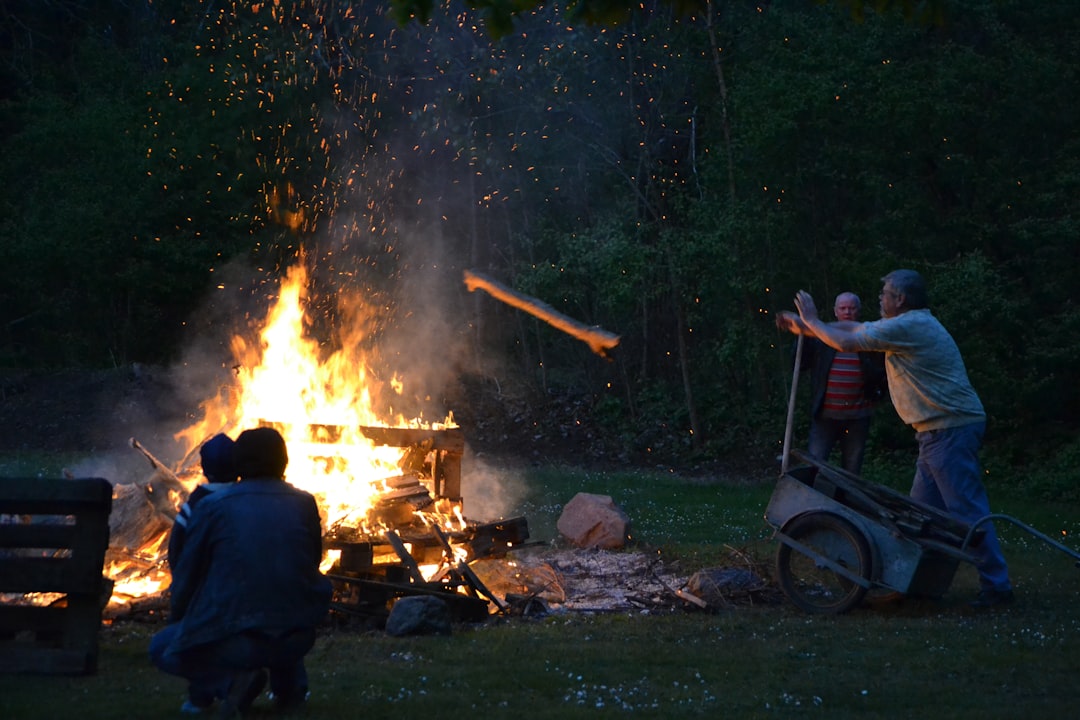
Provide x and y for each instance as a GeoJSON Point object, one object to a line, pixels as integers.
{"type": "Point", "coordinates": [217, 466]}
{"type": "Point", "coordinates": [247, 594]}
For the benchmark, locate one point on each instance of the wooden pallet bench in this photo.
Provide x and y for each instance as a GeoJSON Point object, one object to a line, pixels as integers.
{"type": "Point", "coordinates": [53, 538]}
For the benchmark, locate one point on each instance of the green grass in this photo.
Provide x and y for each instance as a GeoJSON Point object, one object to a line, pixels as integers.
{"type": "Point", "coordinates": [32, 463]}
{"type": "Point", "coordinates": [686, 517]}
{"type": "Point", "coordinates": [916, 659]}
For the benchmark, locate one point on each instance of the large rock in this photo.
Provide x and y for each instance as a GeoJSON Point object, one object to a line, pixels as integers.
{"type": "Point", "coordinates": [594, 521]}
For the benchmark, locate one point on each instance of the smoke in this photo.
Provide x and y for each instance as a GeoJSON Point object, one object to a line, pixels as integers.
{"type": "Point", "coordinates": [116, 467]}
{"type": "Point", "coordinates": [490, 493]}
{"type": "Point", "coordinates": [377, 180]}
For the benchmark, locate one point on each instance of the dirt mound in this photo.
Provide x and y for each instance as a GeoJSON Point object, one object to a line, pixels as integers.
{"type": "Point", "coordinates": [72, 411]}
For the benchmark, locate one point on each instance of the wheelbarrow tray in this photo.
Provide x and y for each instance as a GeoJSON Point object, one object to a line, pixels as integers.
{"type": "Point", "coordinates": [916, 548]}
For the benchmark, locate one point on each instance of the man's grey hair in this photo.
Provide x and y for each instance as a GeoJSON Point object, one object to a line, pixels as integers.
{"type": "Point", "coordinates": [911, 285]}
{"type": "Point", "coordinates": [853, 296]}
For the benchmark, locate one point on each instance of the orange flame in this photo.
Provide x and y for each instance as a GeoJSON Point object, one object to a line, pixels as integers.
{"type": "Point", "coordinates": [318, 402]}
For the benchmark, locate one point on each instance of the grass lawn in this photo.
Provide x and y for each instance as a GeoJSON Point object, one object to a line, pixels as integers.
{"type": "Point", "coordinates": [914, 659]}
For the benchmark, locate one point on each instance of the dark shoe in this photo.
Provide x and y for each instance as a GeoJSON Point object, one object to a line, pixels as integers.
{"type": "Point", "coordinates": [243, 690]}
{"type": "Point", "coordinates": [991, 598]}
{"type": "Point", "coordinates": [291, 701]}
{"type": "Point", "coordinates": [201, 697]}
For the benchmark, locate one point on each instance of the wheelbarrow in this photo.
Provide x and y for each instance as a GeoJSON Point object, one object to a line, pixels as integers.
{"type": "Point", "coordinates": [842, 536]}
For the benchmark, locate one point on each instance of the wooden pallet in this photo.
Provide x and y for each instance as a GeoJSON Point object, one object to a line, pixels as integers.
{"type": "Point", "coordinates": [53, 538]}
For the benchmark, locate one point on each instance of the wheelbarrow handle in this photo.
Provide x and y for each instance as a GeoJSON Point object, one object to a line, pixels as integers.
{"type": "Point", "coordinates": [786, 457]}
{"type": "Point", "coordinates": [1032, 531]}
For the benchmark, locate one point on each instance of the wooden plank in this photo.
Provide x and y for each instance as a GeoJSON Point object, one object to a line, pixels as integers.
{"type": "Point", "coordinates": [451, 439]}
{"type": "Point", "coordinates": [466, 572]}
{"type": "Point", "coordinates": [600, 341]}
{"type": "Point", "coordinates": [51, 574]}
{"type": "Point", "coordinates": [37, 534]}
{"type": "Point", "coordinates": [889, 504]}
{"type": "Point", "coordinates": [447, 472]}
{"type": "Point", "coordinates": [82, 621]}
{"type": "Point", "coordinates": [74, 570]}
{"type": "Point", "coordinates": [31, 618]}
{"type": "Point", "coordinates": [403, 554]}
{"type": "Point", "coordinates": [57, 546]}
{"type": "Point", "coordinates": [52, 495]}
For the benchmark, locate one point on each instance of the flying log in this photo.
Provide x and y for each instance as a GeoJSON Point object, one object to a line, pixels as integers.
{"type": "Point", "coordinates": [600, 341]}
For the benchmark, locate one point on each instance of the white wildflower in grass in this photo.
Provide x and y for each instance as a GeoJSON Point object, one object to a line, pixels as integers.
{"type": "Point", "coordinates": [402, 695]}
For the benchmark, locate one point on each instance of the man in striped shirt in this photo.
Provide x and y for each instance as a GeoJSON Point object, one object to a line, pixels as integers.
{"type": "Point", "coordinates": [845, 386]}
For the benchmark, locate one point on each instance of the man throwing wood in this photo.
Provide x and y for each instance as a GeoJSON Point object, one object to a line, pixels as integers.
{"type": "Point", "coordinates": [930, 390]}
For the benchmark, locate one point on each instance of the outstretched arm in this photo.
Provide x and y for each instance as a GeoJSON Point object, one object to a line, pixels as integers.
{"type": "Point", "coordinates": [790, 322]}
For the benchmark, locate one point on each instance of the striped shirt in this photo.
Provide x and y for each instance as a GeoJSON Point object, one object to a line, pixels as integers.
{"type": "Point", "coordinates": [844, 388]}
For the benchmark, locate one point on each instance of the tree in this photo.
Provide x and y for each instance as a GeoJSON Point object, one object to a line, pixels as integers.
{"type": "Point", "coordinates": [500, 15]}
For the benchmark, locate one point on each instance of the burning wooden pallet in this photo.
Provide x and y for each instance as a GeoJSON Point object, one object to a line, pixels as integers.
{"type": "Point", "coordinates": [373, 571]}
{"type": "Point", "coordinates": [405, 545]}
{"type": "Point", "coordinates": [371, 574]}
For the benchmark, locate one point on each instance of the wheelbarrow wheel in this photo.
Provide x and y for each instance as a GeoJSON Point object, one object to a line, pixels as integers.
{"type": "Point", "coordinates": [808, 581]}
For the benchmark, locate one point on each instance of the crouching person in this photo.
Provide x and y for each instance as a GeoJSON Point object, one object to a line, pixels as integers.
{"type": "Point", "coordinates": [247, 593]}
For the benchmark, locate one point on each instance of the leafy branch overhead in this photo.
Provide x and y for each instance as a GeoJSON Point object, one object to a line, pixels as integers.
{"type": "Point", "coordinates": [500, 14]}
{"type": "Point", "coordinates": [672, 180]}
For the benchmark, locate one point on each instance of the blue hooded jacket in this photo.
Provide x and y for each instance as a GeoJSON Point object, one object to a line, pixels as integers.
{"type": "Point", "coordinates": [250, 562]}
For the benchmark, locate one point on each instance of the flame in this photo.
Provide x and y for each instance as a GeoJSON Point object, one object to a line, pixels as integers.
{"type": "Point", "coordinates": [137, 586]}
{"type": "Point", "coordinates": [320, 401]}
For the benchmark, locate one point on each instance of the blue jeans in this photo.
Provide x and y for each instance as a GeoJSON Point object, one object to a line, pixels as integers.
{"type": "Point", "coordinates": [851, 434]}
{"type": "Point", "coordinates": [948, 477]}
{"type": "Point", "coordinates": [209, 669]}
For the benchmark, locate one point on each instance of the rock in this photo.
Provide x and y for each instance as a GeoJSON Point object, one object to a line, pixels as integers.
{"type": "Point", "coordinates": [419, 615]}
{"type": "Point", "coordinates": [594, 521]}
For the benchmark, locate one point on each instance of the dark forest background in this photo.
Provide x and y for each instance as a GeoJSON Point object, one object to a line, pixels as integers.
{"type": "Point", "coordinates": [673, 179]}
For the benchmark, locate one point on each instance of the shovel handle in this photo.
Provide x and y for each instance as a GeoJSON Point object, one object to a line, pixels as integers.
{"type": "Point", "coordinates": [786, 457]}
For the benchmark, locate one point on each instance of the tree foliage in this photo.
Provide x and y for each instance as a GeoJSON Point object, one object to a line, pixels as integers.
{"type": "Point", "coordinates": [673, 177]}
{"type": "Point", "coordinates": [500, 15]}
